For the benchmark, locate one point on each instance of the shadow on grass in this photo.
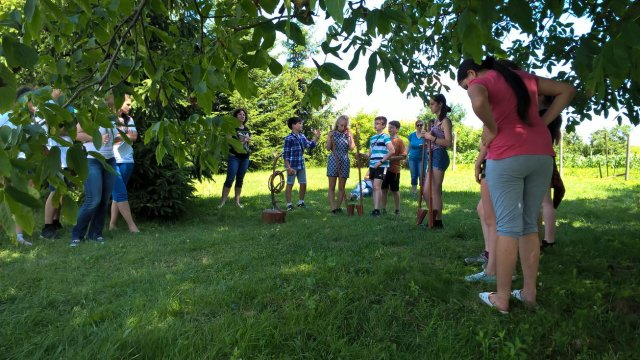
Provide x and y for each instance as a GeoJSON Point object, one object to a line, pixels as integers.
{"type": "Point", "coordinates": [220, 284]}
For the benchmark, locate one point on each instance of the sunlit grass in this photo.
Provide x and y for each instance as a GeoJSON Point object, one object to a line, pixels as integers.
{"type": "Point", "coordinates": [219, 284]}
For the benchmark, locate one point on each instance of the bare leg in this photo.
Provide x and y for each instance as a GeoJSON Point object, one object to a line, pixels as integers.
{"type": "Point", "coordinates": [114, 216]}
{"type": "Point", "coordinates": [549, 216]}
{"type": "Point", "coordinates": [342, 182]}
{"type": "Point", "coordinates": [489, 225]}
{"type": "Point", "coordinates": [506, 256]}
{"type": "Point", "coordinates": [49, 209]}
{"type": "Point", "coordinates": [438, 178]}
{"type": "Point", "coordinates": [529, 260]}
{"type": "Point", "coordinates": [377, 193]}
{"type": "Point", "coordinates": [303, 191]}
{"type": "Point", "coordinates": [125, 211]}
{"type": "Point", "coordinates": [225, 196]}
{"type": "Point", "coordinates": [332, 192]}
{"type": "Point", "coordinates": [383, 199]}
{"type": "Point", "coordinates": [287, 193]}
{"type": "Point", "coordinates": [237, 192]}
{"type": "Point", "coordinates": [396, 199]}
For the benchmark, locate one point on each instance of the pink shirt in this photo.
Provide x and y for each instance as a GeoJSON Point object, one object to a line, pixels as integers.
{"type": "Point", "coordinates": [514, 137]}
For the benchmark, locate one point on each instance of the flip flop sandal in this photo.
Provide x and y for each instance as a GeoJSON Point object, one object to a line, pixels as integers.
{"type": "Point", "coordinates": [484, 296]}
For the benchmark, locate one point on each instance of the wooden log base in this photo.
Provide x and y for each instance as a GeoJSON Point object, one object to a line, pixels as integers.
{"type": "Point", "coordinates": [273, 216]}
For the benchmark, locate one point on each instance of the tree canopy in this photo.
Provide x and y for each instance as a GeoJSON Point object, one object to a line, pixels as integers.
{"type": "Point", "coordinates": [188, 52]}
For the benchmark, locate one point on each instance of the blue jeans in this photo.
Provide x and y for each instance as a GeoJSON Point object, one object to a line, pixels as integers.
{"type": "Point", "coordinates": [236, 169]}
{"type": "Point", "coordinates": [97, 189]}
{"type": "Point", "coordinates": [414, 168]}
{"type": "Point", "coordinates": [123, 175]}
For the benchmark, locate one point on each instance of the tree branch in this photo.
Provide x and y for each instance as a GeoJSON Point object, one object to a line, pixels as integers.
{"type": "Point", "coordinates": [100, 82]}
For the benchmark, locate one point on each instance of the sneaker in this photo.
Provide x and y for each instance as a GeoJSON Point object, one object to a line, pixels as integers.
{"type": "Point", "coordinates": [74, 243]}
{"type": "Point", "coordinates": [289, 207]}
{"type": "Point", "coordinates": [24, 242]}
{"type": "Point", "coordinates": [48, 232]}
{"type": "Point", "coordinates": [397, 212]}
{"type": "Point", "coordinates": [57, 225]}
{"type": "Point", "coordinates": [301, 205]}
{"type": "Point", "coordinates": [375, 212]}
{"type": "Point", "coordinates": [480, 277]}
{"type": "Point", "coordinates": [482, 258]}
{"type": "Point", "coordinates": [99, 240]}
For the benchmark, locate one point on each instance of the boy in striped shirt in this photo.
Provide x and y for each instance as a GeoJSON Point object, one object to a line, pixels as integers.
{"type": "Point", "coordinates": [380, 149]}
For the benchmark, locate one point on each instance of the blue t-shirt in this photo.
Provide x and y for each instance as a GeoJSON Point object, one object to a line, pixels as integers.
{"type": "Point", "coordinates": [415, 146]}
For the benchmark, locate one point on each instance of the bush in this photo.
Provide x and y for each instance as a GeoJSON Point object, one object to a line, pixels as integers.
{"type": "Point", "coordinates": [158, 191]}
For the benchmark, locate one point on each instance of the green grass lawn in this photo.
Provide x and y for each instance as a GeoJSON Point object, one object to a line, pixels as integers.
{"type": "Point", "coordinates": [218, 284]}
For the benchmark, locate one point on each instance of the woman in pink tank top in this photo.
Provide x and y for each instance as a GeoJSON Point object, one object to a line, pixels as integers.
{"type": "Point", "coordinates": [519, 164]}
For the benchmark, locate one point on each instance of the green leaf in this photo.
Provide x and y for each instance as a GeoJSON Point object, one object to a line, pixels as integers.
{"type": "Point", "coordinates": [8, 89]}
{"type": "Point", "coordinates": [22, 197]}
{"type": "Point", "coordinates": [69, 210]}
{"type": "Point", "coordinates": [275, 67]}
{"type": "Point", "coordinates": [521, 12]}
{"type": "Point", "coordinates": [29, 10]}
{"type": "Point", "coordinates": [6, 218]}
{"type": "Point", "coordinates": [397, 16]}
{"type": "Point", "coordinates": [77, 160]}
{"type": "Point", "coordinates": [370, 76]}
{"type": "Point", "coordinates": [18, 54]}
{"type": "Point", "coordinates": [85, 5]}
{"type": "Point", "coordinates": [243, 84]}
{"type": "Point", "coordinates": [292, 31]}
{"type": "Point", "coordinates": [5, 164]}
{"type": "Point", "coordinates": [216, 80]}
{"type": "Point", "coordinates": [268, 35]}
{"type": "Point", "coordinates": [355, 60]}
{"type": "Point", "coordinates": [269, 5]}
{"type": "Point", "coordinates": [249, 7]}
{"type": "Point", "coordinates": [52, 162]}
{"type": "Point", "coordinates": [333, 71]}
{"type": "Point", "coordinates": [335, 8]}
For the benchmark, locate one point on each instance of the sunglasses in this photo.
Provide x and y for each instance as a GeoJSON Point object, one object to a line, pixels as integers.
{"type": "Point", "coordinates": [419, 125]}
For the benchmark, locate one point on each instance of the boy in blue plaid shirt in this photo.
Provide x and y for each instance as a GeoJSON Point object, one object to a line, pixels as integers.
{"type": "Point", "coordinates": [293, 155]}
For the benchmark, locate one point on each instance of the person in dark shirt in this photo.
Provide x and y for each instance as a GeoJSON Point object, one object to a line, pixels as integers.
{"type": "Point", "coordinates": [238, 161]}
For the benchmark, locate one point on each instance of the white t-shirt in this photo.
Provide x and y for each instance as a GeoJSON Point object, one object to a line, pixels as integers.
{"type": "Point", "coordinates": [107, 149]}
{"type": "Point", "coordinates": [123, 151]}
{"type": "Point", "coordinates": [6, 121]}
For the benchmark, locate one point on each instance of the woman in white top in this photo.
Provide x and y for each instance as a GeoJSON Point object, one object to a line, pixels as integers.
{"type": "Point", "coordinates": [97, 186]}
{"type": "Point", "coordinates": [124, 167]}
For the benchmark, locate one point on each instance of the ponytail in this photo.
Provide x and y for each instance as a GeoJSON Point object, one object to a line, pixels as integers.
{"type": "Point", "coordinates": [514, 81]}
{"type": "Point", "coordinates": [445, 109]}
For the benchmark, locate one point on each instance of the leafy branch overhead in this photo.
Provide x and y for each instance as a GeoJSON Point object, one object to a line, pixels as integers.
{"type": "Point", "coordinates": [191, 52]}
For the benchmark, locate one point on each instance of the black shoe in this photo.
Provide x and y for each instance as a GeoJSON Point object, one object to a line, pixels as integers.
{"type": "Point", "coordinates": [48, 232]}
{"type": "Point", "coordinates": [57, 225]}
{"type": "Point", "coordinates": [375, 212]}
{"type": "Point", "coordinates": [397, 212]}
{"type": "Point", "coordinates": [289, 207]}
{"type": "Point", "coordinates": [336, 210]}
{"type": "Point", "coordinates": [302, 205]}
{"type": "Point", "coordinates": [546, 244]}
{"type": "Point", "coordinates": [437, 224]}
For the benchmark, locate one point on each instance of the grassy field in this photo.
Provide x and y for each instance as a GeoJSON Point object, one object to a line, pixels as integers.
{"type": "Point", "coordinates": [218, 284]}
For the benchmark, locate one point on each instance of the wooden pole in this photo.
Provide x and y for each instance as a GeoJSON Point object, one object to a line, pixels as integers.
{"type": "Point", "coordinates": [627, 160]}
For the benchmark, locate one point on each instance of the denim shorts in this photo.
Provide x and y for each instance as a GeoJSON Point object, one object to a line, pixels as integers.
{"type": "Point", "coordinates": [517, 186]}
{"type": "Point", "coordinates": [300, 174]}
{"type": "Point", "coordinates": [440, 159]}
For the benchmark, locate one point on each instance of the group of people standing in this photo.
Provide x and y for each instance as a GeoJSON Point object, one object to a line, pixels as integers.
{"type": "Point", "coordinates": [101, 185]}
{"type": "Point", "coordinates": [515, 166]}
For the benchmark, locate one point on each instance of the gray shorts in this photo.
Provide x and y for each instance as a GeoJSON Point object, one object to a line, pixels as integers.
{"type": "Point", "coordinates": [300, 174]}
{"type": "Point", "coordinates": [517, 186]}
